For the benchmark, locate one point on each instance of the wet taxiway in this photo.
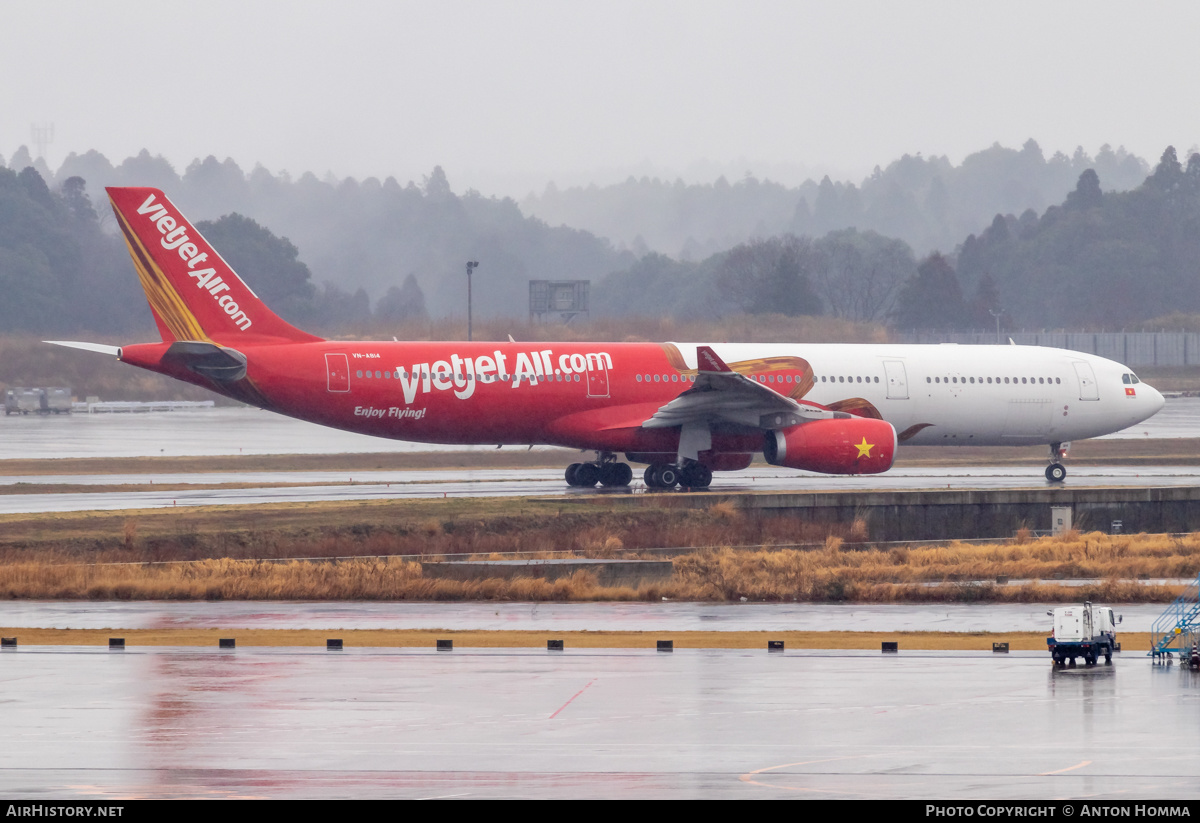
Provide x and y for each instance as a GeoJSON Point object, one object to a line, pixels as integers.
{"type": "Point", "coordinates": [537, 482]}
{"type": "Point", "coordinates": [170, 723]}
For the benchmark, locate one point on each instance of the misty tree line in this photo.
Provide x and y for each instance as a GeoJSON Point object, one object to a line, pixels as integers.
{"type": "Point", "coordinates": [1099, 259]}
{"type": "Point", "coordinates": [377, 251]}
{"type": "Point", "coordinates": [366, 243]}
{"type": "Point", "coordinates": [929, 203]}
{"type": "Point", "coordinates": [61, 271]}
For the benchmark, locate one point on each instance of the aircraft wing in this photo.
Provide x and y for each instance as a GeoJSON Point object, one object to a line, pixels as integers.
{"type": "Point", "coordinates": [721, 395]}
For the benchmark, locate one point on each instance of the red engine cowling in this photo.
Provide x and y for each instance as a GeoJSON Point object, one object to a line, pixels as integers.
{"type": "Point", "coordinates": [847, 445]}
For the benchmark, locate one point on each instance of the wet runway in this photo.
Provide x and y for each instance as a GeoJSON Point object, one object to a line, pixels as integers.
{"type": "Point", "coordinates": [534, 482]}
{"type": "Point", "coordinates": [548, 617]}
{"type": "Point", "coordinates": [216, 431]}
{"type": "Point", "coordinates": [225, 431]}
{"type": "Point", "coordinates": [251, 431]}
{"type": "Point", "coordinates": [170, 723]}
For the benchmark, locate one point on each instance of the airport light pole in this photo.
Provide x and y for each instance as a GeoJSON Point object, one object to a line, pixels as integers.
{"type": "Point", "coordinates": [471, 266]}
{"type": "Point", "coordinates": [997, 315]}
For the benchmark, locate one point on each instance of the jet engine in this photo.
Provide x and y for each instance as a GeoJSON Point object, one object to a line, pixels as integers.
{"type": "Point", "coordinates": [847, 445]}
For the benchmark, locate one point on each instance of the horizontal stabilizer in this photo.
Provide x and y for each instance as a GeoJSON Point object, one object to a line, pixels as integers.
{"type": "Point", "coordinates": [115, 351]}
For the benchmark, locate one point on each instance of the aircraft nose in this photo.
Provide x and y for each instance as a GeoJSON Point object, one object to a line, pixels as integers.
{"type": "Point", "coordinates": [1154, 400]}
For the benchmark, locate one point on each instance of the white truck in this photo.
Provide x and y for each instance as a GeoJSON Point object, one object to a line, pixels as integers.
{"type": "Point", "coordinates": [1085, 631]}
{"type": "Point", "coordinates": [21, 401]}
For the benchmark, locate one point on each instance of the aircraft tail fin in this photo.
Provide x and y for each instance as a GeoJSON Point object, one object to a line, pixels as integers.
{"type": "Point", "coordinates": [194, 294]}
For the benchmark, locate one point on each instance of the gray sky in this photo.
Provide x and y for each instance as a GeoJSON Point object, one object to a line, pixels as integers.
{"type": "Point", "coordinates": [506, 95]}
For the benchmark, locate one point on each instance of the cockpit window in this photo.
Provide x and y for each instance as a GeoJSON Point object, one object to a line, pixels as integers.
{"type": "Point", "coordinates": [1135, 378]}
{"type": "Point", "coordinates": [1125, 378]}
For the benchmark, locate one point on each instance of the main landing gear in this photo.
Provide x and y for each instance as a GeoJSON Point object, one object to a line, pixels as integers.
{"type": "Point", "coordinates": [606, 471]}
{"type": "Point", "coordinates": [1056, 472]}
{"type": "Point", "coordinates": [666, 476]}
{"type": "Point", "coordinates": [610, 473]}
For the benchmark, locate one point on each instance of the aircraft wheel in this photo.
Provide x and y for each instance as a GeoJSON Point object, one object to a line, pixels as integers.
{"type": "Point", "coordinates": [661, 476]}
{"type": "Point", "coordinates": [695, 476]}
{"type": "Point", "coordinates": [1056, 472]}
{"type": "Point", "coordinates": [570, 473]}
{"type": "Point", "coordinates": [615, 474]}
{"type": "Point", "coordinates": [586, 475]}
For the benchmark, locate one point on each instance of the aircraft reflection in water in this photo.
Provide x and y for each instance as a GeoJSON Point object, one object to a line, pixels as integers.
{"type": "Point", "coordinates": [687, 410]}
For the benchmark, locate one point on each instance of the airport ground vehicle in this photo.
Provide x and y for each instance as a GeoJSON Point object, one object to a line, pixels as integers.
{"type": "Point", "coordinates": [20, 400]}
{"type": "Point", "coordinates": [53, 400]}
{"type": "Point", "coordinates": [685, 410]}
{"type": "Point", "coordinates": [1086, 631]}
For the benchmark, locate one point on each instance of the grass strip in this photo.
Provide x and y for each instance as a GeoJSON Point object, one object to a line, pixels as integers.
{"type": "Point", "coordinates": [1133, 642]}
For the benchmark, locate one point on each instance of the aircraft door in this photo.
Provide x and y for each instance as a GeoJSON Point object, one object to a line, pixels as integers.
{"type": "Point", "coordinates": [597, 377]}
{"type": "Point", "coordinates": [1088, 390]}
{"type": "Point", "coordinates": [897, 378]}
{"type": "Point", "coordinates": [337, 372]}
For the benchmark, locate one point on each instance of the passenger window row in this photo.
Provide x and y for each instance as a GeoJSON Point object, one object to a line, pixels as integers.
{"type": "Point", "coordinates": [482, 378]}
{"type": "Point", "coordinates": [1051, 380]}
{"type": "Point", "coordinates": [665, 378]}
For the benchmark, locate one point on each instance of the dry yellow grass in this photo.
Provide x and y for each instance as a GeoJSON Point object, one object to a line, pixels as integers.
{"type": "Point", "coordinates": [282, 552]}
{"type": "Point", "coordinates": [386, 638]}
{"type": "Point", "coordinates": [892, 574]}
{"type": "Point", "coordinates": [225, 579]}
{"type": "Point", "coordinates": [833, 572]}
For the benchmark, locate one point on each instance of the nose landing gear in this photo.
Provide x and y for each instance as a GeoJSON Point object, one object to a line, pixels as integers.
{"type": "Point", "coordinates": [1056, 472]}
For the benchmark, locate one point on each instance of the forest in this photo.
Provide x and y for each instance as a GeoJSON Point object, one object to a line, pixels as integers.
{"type": "Point", "coordinates": [1103, 242]}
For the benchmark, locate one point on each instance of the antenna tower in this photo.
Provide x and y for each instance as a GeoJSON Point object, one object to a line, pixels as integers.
{"type": "Point", "coordinates": [43, 136]}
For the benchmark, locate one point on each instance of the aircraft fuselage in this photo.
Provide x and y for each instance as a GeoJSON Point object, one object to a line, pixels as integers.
{"type": "Point", "coordinates": [597, 395]}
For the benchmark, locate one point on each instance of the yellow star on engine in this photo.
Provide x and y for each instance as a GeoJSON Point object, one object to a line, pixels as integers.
{"type": "Point", "coordinates": [864, 448]}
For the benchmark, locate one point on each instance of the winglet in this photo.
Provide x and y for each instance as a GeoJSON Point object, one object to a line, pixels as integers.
{"type": "Point", "coordinates": [707, 360]}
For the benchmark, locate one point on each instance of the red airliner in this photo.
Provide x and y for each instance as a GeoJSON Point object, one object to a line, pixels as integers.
{"type": "Point", "coordinates": [686, 410]}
